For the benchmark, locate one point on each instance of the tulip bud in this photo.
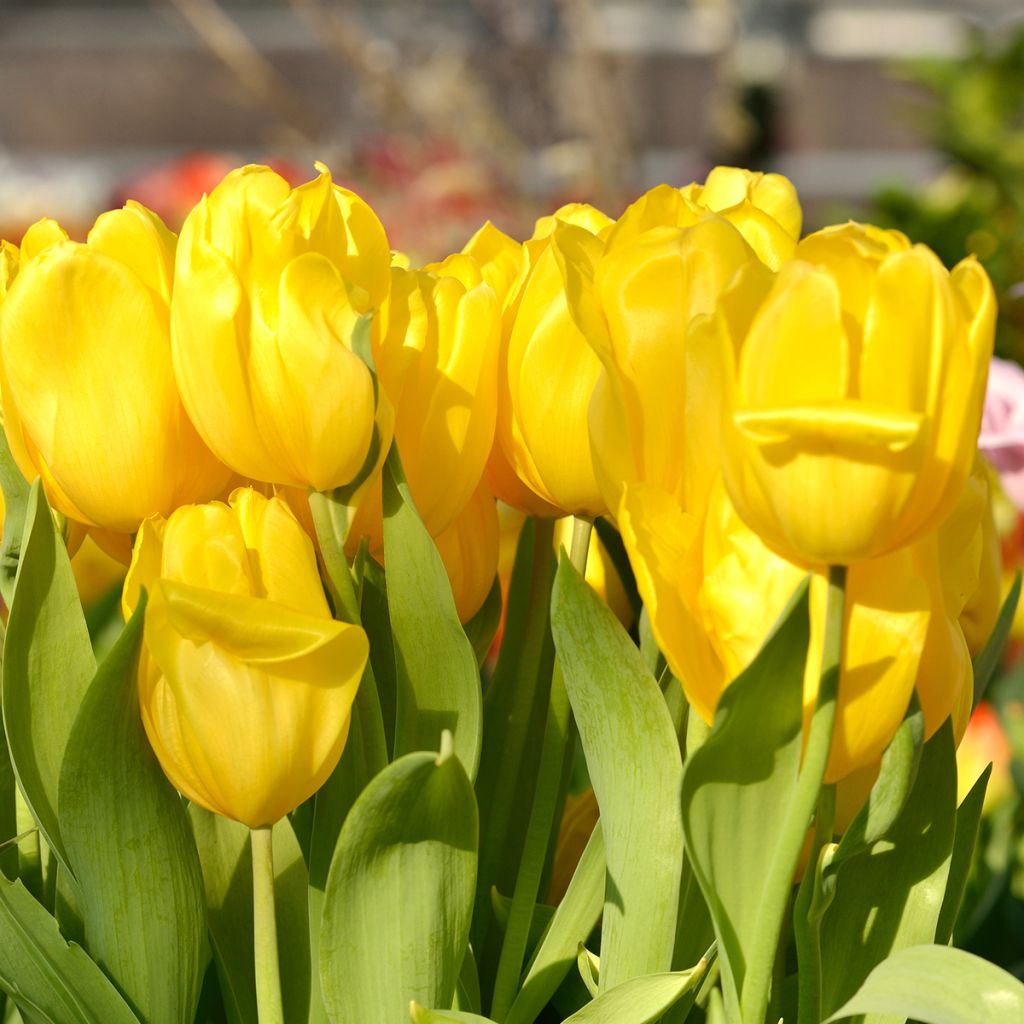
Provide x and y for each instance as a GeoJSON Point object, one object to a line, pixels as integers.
{"type": "Point", "coordinates": [90, 401]}
{"type": "Point", "coordinates": [713, 591]}
{"type": "Point", "coordinates": [469, 550]}
{"type": "Point", "coordinates": [271, 285]}
{"type": "Point", "coordinates": [246, 682]}
{"type": "Point", "coordinates": [854, 383]}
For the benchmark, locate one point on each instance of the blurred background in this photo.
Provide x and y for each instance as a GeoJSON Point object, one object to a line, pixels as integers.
{"type": "Point", "coordinates": [444, 113]}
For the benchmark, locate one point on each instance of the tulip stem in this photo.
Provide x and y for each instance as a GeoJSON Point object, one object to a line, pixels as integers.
{"type": "Point", "coordinates": [797, 818]}
{"type": "Point", "coordinates": [555, 749]}
{"type": "Point", "coordinates": [269, 1008]}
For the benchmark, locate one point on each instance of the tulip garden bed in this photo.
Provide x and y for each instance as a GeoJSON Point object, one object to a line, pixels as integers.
{"type": "Point", "coordinates": [578, 629]}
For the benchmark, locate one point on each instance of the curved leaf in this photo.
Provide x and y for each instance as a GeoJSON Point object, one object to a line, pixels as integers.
{"type": "Point", "coordinates": [47, 666]}
{"type": "Point", "coordinates": [131, 847]}
{"type": "Point", "coordinates": [400, 892]}
{"type": "Point", "coordinates": [634, 762]}
{"type": "Point", "coordinates": [437, 674]}
{"type": "Point", "coordinates": [938, 985]}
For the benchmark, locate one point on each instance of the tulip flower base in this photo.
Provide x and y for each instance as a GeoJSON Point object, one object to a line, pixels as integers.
{"type": "Point", "coordinates": [345, 760]}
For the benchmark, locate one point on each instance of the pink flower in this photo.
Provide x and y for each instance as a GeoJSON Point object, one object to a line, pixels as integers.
{"type": "Point", "coordinates": [1002, 427]}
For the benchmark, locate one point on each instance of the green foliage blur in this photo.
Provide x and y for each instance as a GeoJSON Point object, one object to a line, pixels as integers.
{"type": "Point", "coordinates": [974, 116]}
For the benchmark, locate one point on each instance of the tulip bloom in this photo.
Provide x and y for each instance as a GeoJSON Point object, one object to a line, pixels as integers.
{"type": "Point", "coordinates": [714, 590]}
{"type": "Point", "coordinates": [854, 382]}
{"type": "Point", "coordinates": [90, 401]}
{"type": "Point", "coordinates": [246, 682]}
{"type": "Point", "coordinates": [270, 285]}
{"type": "Point", "coordinates": [547, 373]}
{"type": "Point", "coordinates": [437, 359]}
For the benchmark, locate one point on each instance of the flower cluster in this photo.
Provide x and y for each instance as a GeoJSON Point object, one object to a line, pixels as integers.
{"type": "Point", "coordinates": [746, 405]}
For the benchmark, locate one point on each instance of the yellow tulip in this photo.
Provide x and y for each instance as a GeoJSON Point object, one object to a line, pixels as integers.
{"type": "Point", "coordinates": [437, 359]}
{"type": "Point", "coordinates": [764, 208]}
{"type": "Point", "coordinates": [854, 382]}
{"type": "Point", "coordinates": [246, 683]}
{"type": "Point", "coordinates": [713, 590]}
{"type": "Point", "coordinates": [546, 375]}
{"type": "Point", "coordinates": [270, 284]}
{"type": "Point", "coordinates": [90, 401]}
{"type": "Point", "coordinates": [469, 550]}
{"type": "Point", "coordinates": [634, 306]}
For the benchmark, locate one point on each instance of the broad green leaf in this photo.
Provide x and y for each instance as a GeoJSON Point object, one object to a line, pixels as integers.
{"type": "Point", "coordinates": [400, 892]}
{"type": "Point", "coordinates": [968, 820]}
{"type": "Point", "coordinates": [437, 673]}
{"type": "Point", "coordinates": [890, 896]}
{"type": "Point", "coordinates": [737, 787]}
{"type": "Point", "coordinates": [421, 1015]}
{"type": "Point", "coordinates": [225, 855]}
{"type": "Point", "coordinates": [49, 979]}
{"type": "Point", "coordinates": [938, 985]}
{"type": "Point", "coordinates": [574, 919]}
{"type": "Point", "coordinates": [8, 814]}
{"type": "Point", "coordinates": [16, 498]}
{"type": "Point", "coordinates": [515, 706]}
{"type": "Point", "coordinates": [639, 1000]}
{"type": "Point", "coordinates": [891, 790]}
{"type": "Point", "coordinates": [632, 754]}
{"type": "Point", "coordinates": [987, 661]}
{"type": "Point", "coordinates": [130, 845]}
{"type": "Point", "coordinates": [47, 665]}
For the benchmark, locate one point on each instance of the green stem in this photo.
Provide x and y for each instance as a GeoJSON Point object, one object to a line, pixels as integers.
{"type": "Point", "coordinates": [807, 913]}
{"type": "Point", "coordinates": [269, 1008]}
{"type": "Point", "coordinates": [797, 819]}
{"type": "Point", "coordinates": [557, 736]}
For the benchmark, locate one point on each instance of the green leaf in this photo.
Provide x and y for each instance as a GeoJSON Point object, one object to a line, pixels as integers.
{"type": "Point", "coordinates": [574, 919]}
{"type": "Point", "coordinates": [938, 985]}
{"type": "Point", "coordinates": [8, 812]}
{"type": "Point", "coordinates": [376, 620]}
{"type": "Point", "coordinates": [421, 1015]}
{"type": "Point", "coordinates": [47, 665]}
{"type": "Point", "coordinates": [890, 896]}
{"type": "Point", "coordinates": [515, 706]}
{"type": "Point", "coordinates": [988, 659]}
{"type": "Point", "coordinates": [130, 845]}
{"type": "Point", "coordinates": [16, 498]}
{"type": "Point", "coordinates": [632, 754]}
{"type": "Point", "coordinates": [400, 892]}
{"type": "Point", "coordinates": [639, 1000]}
{"type": "Point", "coordinates": [438, 678]}
{"type": "Point", "coordinates": [968, 821]}
{"type": "Point", "coordinates": [49, 979]}
{"type": "Point", "coordinates": [483, 627]}
{"type": "Point", "coordinates": [737, 787]}
{"type": "Point", "coordinates": [891, 790]}
{"type": "Point", "coordinates": [542, 914]}
{"type": "Point", "coordinates": [225, 855]}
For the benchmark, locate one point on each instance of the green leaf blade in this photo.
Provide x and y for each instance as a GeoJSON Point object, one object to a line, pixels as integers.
{"type": "Point", "coordinates": [633, 756]}
{"type": "Point", "coordinates": [400, 893]}
{"type": "Point", "coordinates": [47, 666]}
{"type": "Point", "coordinates": [437, 675]}
{"type": "Point", "coordinates": [130, 844]}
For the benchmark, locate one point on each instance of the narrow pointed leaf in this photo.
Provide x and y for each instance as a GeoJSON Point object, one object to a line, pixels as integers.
{"type": "Point", "coordinates": [987, 661]}
{"type": "Point", "coordinates": [47, 666]}
{"type": "Point", "coordinates": [49, 979]}
{"type": "Point", "coordinates": [639, 1000]}
{"type": "Point", "coordinates": [737, 787]}
{"type": "Point", "coordinates": [437, 674]}
{"type": "Point", "coordinates": [633, 757]}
